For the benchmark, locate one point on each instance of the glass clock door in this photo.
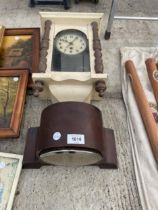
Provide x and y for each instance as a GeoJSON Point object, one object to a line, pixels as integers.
{"type": "Point", "coordinates": [71, 52]}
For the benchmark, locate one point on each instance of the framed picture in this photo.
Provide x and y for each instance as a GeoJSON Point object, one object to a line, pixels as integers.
{"type": "Point", "coordinates": [10, 168]}
{"type": "Point", "coordinates": [13, 85]}
{"type": "Point", "coordinates": [1, 34]}
{"type": "Point", "coordinates": [20, 49]}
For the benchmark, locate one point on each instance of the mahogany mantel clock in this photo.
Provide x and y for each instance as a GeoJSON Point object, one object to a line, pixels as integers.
{"type": "Point", "coordinates": [71, 66]}
{"type": "Point", "coordinates": [69, 137]}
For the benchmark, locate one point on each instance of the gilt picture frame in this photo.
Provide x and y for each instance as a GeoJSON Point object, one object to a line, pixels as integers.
{"type": "Point", "coordinates": [20, 48]}
{"type": "Point", "coordinates": [1, 34]}
{"type": "Point", "coordinates": [13, 85]}
{"type": "Point", "coordinates": [10, 168]}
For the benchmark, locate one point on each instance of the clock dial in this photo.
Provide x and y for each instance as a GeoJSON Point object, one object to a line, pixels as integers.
{"type": "Point", "coordinates": [71, 51]}
{"type": "Point", "coordinates": [71, 42]}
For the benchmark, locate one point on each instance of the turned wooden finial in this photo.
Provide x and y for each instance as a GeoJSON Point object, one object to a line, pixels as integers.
{"type": "Point", "coordinates": [100, 87]}
{"type": "Point", "coordinates": [37, 88]}
{"type": "Point", "coordinates": [97, 49]}
{"type": "Point", "coordinates": [44, 46]}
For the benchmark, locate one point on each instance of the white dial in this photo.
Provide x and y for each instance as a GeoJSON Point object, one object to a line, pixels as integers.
{"type": "Point", "coordinates": [71, 42]}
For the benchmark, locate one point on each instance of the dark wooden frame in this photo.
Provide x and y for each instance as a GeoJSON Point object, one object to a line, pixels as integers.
{"type": "Point", "coordinates": [35, 33]}
{"type": "Point", "coordinates": [14, 129]}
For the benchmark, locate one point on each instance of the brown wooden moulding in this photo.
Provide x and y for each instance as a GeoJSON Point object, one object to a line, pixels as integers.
{"type": "Point", "coordinates": [100, 85]}
{"type": "Point", "coordinates": [153, 75]}
{"type": "Point", "coordinates": [97, 49]}
{"type": "Point", "coordinates": [44, 47]}
{"type": "Point", "coordinates": [38, 85]}
{"type": "Point", "coordinates": [144, 108]}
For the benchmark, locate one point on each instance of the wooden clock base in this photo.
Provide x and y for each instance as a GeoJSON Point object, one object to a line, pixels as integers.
{"type": "Point", "coordinates": [109, 161]}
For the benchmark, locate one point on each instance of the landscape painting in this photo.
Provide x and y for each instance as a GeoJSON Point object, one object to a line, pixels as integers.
{"type": "Point", "coordinates": [20, 48]}
{"type": "Point", "coordinates": [1, 34]}
{"type": "Point", "coordinates": [8, 92]}
{"type": "Point", "coordinates": [16, 51]}
{"type": "Point", "coordinates": [13, 85]}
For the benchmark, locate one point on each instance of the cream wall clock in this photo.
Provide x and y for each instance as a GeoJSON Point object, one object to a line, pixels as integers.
{"type": "Point", "coordinates": [71, 66]}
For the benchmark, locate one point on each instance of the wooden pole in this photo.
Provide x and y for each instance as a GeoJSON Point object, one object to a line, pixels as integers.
{"type": "Point", "coordinates": [153, 75]}
{"type": "Point", "coordinates": [144, 108]}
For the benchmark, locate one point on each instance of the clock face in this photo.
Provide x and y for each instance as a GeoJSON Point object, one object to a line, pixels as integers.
{"type": "Point", "coordinates": [71, 157]}
{"type": "Point", "coordinates": [71, 42]}
{"type": "Point", "coordinates": [71, 51]}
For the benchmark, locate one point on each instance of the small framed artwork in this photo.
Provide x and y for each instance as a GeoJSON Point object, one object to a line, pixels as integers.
{"type": "Point", "coordinates": [20, 49]}
{"type": "Point", "coordinates": [10, 168]}
{"type": "Point", "coordinates": [13, 84]}
{"type": "Point", "coordinates": [1, 34]}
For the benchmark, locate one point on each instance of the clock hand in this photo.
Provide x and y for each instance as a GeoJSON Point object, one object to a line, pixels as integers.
{"type": "Point", "coordinates": [70, 43]}
{"type": "Point", "coordinates": [65, 40]}
{"type": "Point", "coordinates": [74, 39]}
{"type": "Point", "coordinates": [67, 46]}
